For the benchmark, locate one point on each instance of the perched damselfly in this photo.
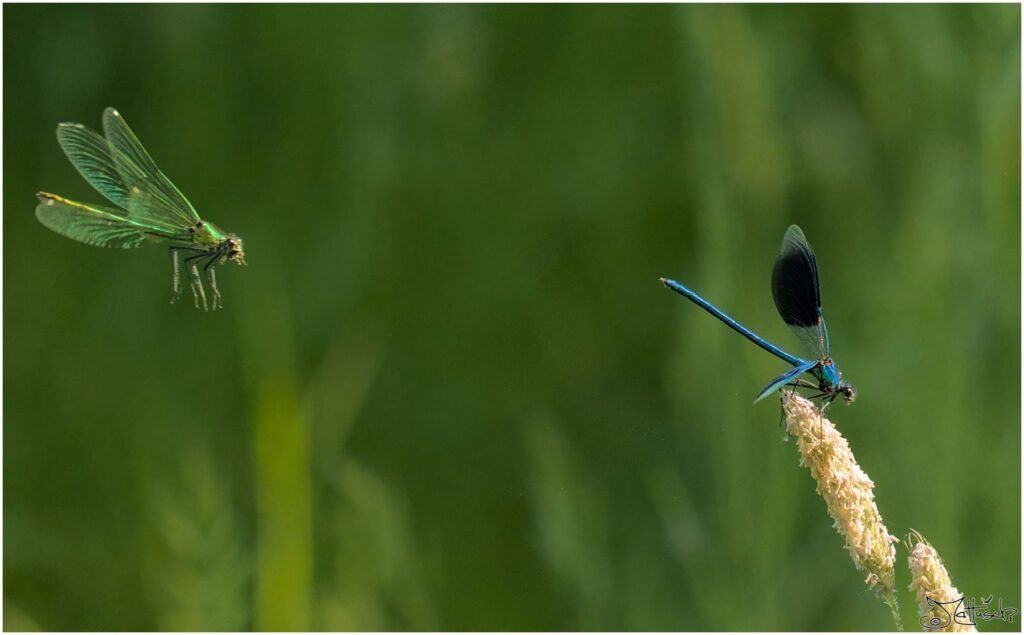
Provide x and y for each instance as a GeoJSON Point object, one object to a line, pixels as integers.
{"type": "Point", "coordinates": [798, 299]}
{"type": "Point", "coordinates": [149, 207]}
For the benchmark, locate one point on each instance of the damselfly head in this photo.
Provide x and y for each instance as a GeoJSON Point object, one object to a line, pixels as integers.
{"type": "Point", "coordinates": [848, 392]}
{"type": "Point", "coordinates": [235, 252]}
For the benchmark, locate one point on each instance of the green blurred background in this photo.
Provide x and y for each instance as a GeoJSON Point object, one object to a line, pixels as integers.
{"type": "Point", "coordinates": [448, 391]}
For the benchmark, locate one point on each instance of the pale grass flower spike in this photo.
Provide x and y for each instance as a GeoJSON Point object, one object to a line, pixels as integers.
{"type": "Point", "coordinates": [929, 579]}
{"type": "Point", "coordinates": [848, 493]}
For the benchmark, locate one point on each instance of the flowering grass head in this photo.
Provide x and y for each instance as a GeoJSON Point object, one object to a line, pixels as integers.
{"type": "Point", "coordinates": [848, 493]}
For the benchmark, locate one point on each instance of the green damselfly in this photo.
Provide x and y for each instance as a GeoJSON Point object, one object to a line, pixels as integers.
{"type": "Point", "coordinates": [149, 207]}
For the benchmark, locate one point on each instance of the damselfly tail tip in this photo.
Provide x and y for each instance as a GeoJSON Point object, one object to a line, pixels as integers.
{"type": "Point", "coordinates": [669, 283]}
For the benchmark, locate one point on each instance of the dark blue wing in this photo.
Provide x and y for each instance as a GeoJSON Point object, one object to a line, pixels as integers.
{"type": "Point", "coordinates": [796, 292]}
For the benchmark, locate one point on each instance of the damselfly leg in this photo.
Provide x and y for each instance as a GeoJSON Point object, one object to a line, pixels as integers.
{"type": "Point", "coordinates": [826, 397]}
{"type": "Point", "coordinates": [176, 270]}
{"type": "Point", "coordinates": [175, 275]}
{"type": "Point", "coordinates": [211, 277]}
{"type": "Point", "coordinates": [198, 292]}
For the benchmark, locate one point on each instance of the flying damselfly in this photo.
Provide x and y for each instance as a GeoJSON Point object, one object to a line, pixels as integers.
{"type": "Point", "coordinates": [149, 207]}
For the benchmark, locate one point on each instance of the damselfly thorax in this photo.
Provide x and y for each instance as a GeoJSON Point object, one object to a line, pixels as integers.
{"type": "Point", "coordinates": [831, 384]}
{"type": "Point", "coordinates": [207, 246]}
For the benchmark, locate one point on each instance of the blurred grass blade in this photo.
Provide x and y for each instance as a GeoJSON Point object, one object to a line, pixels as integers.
{"type": "Point", "coordinates": [199, 570]}
{"type": "Point", "coordinates": [571, 523]}
{"type": "Point", "coordinates": [281, 458]}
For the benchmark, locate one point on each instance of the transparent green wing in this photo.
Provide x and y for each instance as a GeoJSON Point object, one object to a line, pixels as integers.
{"type": "Point", "coordinates": [90, 154]}
{"type": "Point", "coordinates": [93, 224]}
{"type": "Point", "coordinates": [94, 158]}
{"type": "Point", "coordinates": [150, 193]}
